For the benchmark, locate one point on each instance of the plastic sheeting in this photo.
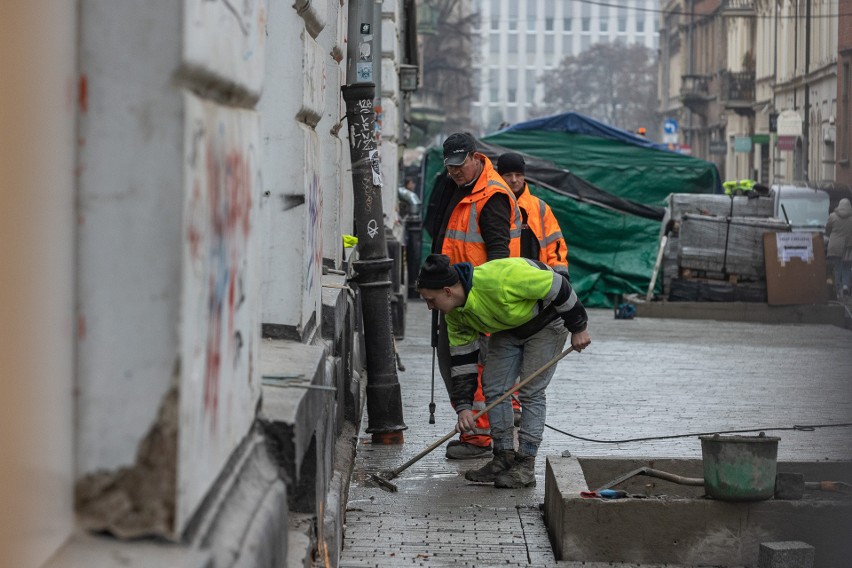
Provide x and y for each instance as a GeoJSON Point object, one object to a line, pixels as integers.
{"type": "Point", "coordinates": [618, 162]}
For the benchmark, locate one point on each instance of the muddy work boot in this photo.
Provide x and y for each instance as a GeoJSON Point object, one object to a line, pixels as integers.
{"type": "Point", "coordinates": [502, 461]}
{"type": "Point", "coordinates": [467, 451]}
{"type": "Point", "coordinates": [521, 474]}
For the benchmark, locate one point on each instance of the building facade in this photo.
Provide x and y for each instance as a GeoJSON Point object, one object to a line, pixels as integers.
{"type": "Point", "coordinates": [842, 130]}
{"type": "Point", "coordinates": [753, 84]}
{"type": "Point", "coordinates": [516, 41]}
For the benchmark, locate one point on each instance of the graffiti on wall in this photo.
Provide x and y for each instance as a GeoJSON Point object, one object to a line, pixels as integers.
{"type": "Point", "coordinates": [313, 226]}
{"type": "Point", "coordinates": [219, 292]}
{"type": "Point", "coordinates": [228, 195]}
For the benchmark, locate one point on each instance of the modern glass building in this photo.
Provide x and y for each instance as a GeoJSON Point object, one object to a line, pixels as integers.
{"type": "Point", "coordinates": [518, 40]}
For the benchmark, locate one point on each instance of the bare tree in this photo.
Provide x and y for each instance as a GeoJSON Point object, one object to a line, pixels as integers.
{"type": "Point", "coordinates": [445, 28]}
{"type": "Point", "coordinates": [611, 82]}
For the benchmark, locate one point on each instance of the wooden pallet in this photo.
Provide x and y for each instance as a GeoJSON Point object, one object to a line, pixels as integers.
{"type": "Point", "coordinates": [692, 274]}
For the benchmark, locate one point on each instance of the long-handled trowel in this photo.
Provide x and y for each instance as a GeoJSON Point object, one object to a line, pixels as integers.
{"type": "Point", "coordinates": [382, 479]}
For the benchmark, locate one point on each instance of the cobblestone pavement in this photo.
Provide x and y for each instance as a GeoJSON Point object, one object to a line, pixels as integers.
{"type": "Point", "coordinates": [639, 378]}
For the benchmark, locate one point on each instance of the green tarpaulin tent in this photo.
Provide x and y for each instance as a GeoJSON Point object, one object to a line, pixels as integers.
{"type": "Point", "coordinates": [606, 188]}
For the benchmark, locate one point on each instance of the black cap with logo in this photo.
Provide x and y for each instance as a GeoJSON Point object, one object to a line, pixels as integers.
{"type": "Point", "coordinates": [457, 147]}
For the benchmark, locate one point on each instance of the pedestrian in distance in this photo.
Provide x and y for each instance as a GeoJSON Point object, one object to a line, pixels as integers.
{"type": "Point", "coordinates": [541, 237]}
{"type": "Point", "coordinates": [475, 219]}
{"type": "Point", "coordinates": [838, 229]}
{"type": "Point", "coordinates": [529, 310]}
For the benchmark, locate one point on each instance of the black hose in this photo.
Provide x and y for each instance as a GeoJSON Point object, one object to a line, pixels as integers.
{"type": "Point", "coordinates": [800, 427]}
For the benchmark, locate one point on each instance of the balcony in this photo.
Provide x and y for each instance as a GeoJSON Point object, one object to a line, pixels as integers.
{"type": "Point", "coordinates": [737, 91]}
{"type": "Point", "coordinates": [695, 92]}
{"type": "Point", "coordinates": [738, 7]}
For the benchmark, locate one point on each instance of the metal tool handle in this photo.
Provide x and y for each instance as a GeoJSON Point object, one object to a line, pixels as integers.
{"type": "Point", "coordinates": [434, 336]}
{"type": "Point", "coordinates": [395, 472]}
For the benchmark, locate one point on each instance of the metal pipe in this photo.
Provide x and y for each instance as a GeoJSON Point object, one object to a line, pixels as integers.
{"type": "Point", "coordinates": [384, 398]}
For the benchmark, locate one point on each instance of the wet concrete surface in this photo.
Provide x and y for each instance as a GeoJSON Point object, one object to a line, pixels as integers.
{"type": "Point", "coordinates": [639, 378]}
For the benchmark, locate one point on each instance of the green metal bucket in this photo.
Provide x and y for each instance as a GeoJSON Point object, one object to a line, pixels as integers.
{"type": "Point", "coordinates": [740, 468]}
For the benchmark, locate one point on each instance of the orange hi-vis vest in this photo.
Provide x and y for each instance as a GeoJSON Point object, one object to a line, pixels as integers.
{"type": "Point", "coordinates": [553, 250]}
{"type": "Point", "coordinates": [463, 241]}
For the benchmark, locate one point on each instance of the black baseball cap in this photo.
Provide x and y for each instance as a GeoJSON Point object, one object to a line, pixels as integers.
{"type": "Point", "coordinates": [456, 148]}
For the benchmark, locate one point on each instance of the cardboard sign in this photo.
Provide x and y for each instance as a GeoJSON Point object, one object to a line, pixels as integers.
{"type": "Point", "coordinates": [795, 271]}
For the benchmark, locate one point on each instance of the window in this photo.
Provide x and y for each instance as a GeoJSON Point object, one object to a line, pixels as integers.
{"type": "Point", "coordinates": [513, 43]}
{"type": "Point", "coordinates": [622, 24]}
{"type": "Point", "coordinates": [585, 42]}
{"type": "Point", "coordinates": [495, 14]}
{"type": "Point", "coordinates": [549, 13]}
{"type": "Point", "coordinates": [566, 23]}
{"type": "Point", "coordinates": [604, 25]}
{"type": "Point", "coordinates": [494, 43]}
{"type": "Point", "coordinates": [549, 44]}
{"type": "Point", "coordinates": [640, 25]}
{"type": "Point", "coordinates": [512, 20]}
{"type": "Point", "coordinates": [512, 95]}
{"type": "Point", "coordinates": [585, 23]}
{"type": "Point", "coordinates": [531, 16]}
{"type": "Point", "coordinates": [531, 43]}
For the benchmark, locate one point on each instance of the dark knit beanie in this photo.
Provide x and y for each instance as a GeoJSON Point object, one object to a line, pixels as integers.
{"type": "Point", "coordinates": [510, 163]}
{"type": "Point", "coordinates": [437, 273]}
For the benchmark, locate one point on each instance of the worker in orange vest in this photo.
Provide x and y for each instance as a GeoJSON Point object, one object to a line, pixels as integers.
{"type": "Point", "coordinates": [476, 220]}
{"type": "Point", "coordinates": [541, 237]}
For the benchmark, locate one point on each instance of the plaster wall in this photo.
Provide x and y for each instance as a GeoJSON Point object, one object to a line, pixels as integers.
{"type": "Point", "coordinates": [336, 180]}
{"type": "Point", "coordinates": [37, 112]}
{"type": "Point", "coordinates": [130, 202]}
{"type": "Point", "coordinates": [390, 97]}
{"type": "Point", "coordinates": [167, 250]}
{"type": "Point", "coordinates": [295, 169]}
{"type": "Point", "coordinates": [219, 331]}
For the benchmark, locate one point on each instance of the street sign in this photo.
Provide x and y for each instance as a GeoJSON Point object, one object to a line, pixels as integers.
{"type": "Point", "coordinates": [786, 143]}
{"type": "Point", "coordinates": [670, 126]}
{"type": "Point", "coordinates": [669, 138]}
{"type": "Point", "coordinates": [789, 123]}
{"type": "Point", "coordinates": [718, 147]}
{"type": "Point", "coordinates": [742, 144]}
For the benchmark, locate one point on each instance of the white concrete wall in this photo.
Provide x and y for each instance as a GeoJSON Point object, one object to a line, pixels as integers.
{"type": "Point", "coordinates": [37, 110]}
{"type": "Point", "coordinates": [391, 97]}
{"type": "Point", "coordinates": [219, 327]}
{"type": "Point", "coordinates": [338, 198]}
{"type": "Point", "coordinates": [169, 185]}
{"type": "Point", "coordinates": [129, 224]}
{"type": "Point", "coordinates": [296, 167]}
{"type": "Point", "coordinates": [137, 235]}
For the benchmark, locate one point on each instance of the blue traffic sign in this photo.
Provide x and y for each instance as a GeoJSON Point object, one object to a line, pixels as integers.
{"type": "Point", "coordinates": [670, 126]}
